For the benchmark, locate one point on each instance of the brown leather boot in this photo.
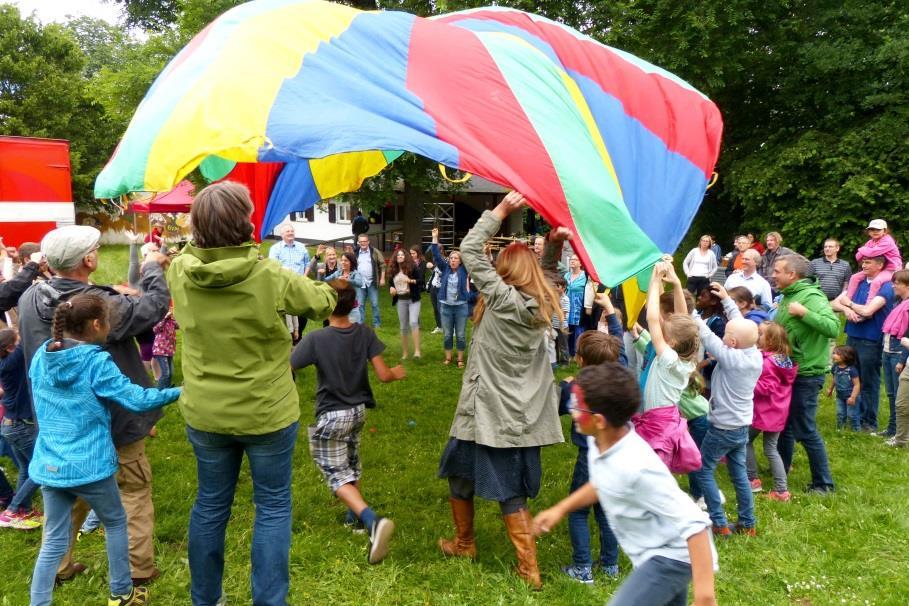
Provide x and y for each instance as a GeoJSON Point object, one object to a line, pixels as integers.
{"type": "Point", "coordinates": [463, 545]}
{"type": "Point", "coordinates": [525, 546]}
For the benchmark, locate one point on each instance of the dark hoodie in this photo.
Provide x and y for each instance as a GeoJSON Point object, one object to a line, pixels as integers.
{"type": "Point", "coordinates": [130, 316]}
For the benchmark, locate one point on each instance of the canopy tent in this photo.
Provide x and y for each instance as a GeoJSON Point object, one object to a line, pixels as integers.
{"type": "Point", "coordinates": [177, 200]}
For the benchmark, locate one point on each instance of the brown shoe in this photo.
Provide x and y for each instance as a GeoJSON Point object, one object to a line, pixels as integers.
{"type": "Point", "coordinates": [142, 581]}
{"type": "Point", "coordinates": [70, 573]}
{"type": "Point", "coordinates": [463, 544]}
{"type": "Point", "coordinates": [525, 547]}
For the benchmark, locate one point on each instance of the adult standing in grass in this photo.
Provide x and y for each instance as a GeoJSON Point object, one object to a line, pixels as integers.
{"type": "Point", "coordinates": [865, 317]}
{"type": "Point", "coordinates": [407, 282]}
{"type": "Point", "coordinates": [508, 406]}
{"type": "Point", "coordinates": [72, 253]}
{"type": "Point", "coordinates": [453, 289]}
{"type": "Point", "coordinates": [699, 266]}
{"type": "Point", "coordinates": [810, 322]}
{"type": "Point", "coordinates": [576, 279]}
{"type": "Point", "coordinates": [239, 397]}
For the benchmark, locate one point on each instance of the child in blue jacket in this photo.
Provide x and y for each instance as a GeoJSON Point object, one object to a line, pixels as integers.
{"type": "Point", "coordinates": [73, 380]}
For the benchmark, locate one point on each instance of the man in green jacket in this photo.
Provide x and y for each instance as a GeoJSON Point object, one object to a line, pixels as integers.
{"type": "Point", "coordinates": [810, 322]}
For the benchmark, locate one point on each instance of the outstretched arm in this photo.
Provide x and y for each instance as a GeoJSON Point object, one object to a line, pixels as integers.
{"type": "Point", "coordinates": [653, 308]}
{"type": "Point", "coordinates": [386, 374]}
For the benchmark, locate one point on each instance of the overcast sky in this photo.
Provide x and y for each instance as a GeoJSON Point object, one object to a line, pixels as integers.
{"type": "Point", "coordinates": [57, 10]}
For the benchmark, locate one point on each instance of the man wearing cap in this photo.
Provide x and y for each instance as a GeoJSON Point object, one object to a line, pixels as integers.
{"type": "Point", "coordinates": [72, 252]}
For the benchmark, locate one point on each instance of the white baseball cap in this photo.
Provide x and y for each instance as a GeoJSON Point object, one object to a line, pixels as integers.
{"type": "Point", "coordinates": [877, 224]}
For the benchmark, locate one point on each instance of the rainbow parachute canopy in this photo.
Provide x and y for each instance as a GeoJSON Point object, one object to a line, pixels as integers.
{"type": "Point", "coordinates": [618, 150]}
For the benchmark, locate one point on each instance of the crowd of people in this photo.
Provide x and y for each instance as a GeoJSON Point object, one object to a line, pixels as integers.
{"type": "Point", "coordinates": [741, 350]}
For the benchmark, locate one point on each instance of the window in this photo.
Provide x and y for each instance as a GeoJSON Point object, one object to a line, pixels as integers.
{"type": "Point", "coordinates": [343, 213]}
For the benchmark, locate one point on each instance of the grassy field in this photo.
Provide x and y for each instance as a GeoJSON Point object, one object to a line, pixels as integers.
{"type": "Point", "coordinates": [850, 548]}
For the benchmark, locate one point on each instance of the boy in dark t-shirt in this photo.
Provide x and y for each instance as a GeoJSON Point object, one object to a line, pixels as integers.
{"type": "Point", "coordinates": [340, 353]}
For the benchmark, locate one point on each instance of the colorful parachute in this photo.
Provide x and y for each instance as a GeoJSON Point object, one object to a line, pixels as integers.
{"type": "Point", "coordinates": [616, 149]}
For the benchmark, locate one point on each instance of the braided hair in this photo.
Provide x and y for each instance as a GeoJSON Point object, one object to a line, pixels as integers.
{"type": "Point", "coordinates": [73, 316]}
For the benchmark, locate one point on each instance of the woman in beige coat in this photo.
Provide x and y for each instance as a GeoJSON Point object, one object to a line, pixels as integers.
{"type": "Point", "coordinates": [508, 407]}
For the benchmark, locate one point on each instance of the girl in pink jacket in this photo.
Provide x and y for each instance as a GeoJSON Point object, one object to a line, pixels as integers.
{"type": "Point", "coordinates": [881, 244]}
{"type": "Point", "coordinates": [771, 406]}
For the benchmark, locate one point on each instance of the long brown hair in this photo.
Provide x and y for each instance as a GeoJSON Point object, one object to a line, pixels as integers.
{"type": "Point", "coordinates": [518, 267]}
{"type": "Point", "coordinates": [406, 267]}
{"type": "Point", "coordinates": [72, 317]}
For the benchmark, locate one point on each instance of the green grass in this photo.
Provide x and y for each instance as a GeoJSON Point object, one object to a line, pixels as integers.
{"type": "Point", "coordinates": [845, 549]}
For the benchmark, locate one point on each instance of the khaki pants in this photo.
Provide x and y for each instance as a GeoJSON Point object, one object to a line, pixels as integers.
{"type": "Point", "coordinates": [134, 479]}
{"type": "Point", "coordinates": [902, 409]}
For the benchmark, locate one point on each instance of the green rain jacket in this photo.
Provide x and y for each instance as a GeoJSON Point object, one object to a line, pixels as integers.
{"type": "Point", "coordinates": [809, 336]}
{"type": "Point", "coordinates": [230, 305]}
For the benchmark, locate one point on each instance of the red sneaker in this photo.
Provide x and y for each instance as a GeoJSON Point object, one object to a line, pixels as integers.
{"type": "Point", "coordinates": [756, 485]}
{"type": "Point", "coordinates": [783, 497]}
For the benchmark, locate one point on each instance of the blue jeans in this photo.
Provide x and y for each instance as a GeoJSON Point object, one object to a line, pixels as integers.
{"type": "Point", "coordinates": [454, 322]}
{"type": "Point", "coordinates": [166, 364]}
{"type": "Point", "coordinates": [868, 362]}
{"type": "Point", "coordinates": [373, 292]}
{"type": "Point", "coordinates": [802, 426]}
{"type": "Point", "coordinates": [104, 497]}
{"type": "Point", "coordinates": [218, 460]}
{"type": "Point", "coordinates": [697, 427]}
{"type": "Point", "coordinates": [731, 444]}
{"type": "Point", "coordinates": [20, 436]}
{"type": "Point", "coordinates": [657, 582]}
{"type": "Point", "coordinates": [578, 530]}
{"type": "Point", "coordinates": [574, 333]}
{"type": "Point", "coordinates": [891, 383]}
{"type": "Point", "coordinates": [844, 413]}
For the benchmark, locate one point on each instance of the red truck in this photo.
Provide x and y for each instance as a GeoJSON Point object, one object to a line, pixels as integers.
{"type": "Point", "coordinates": [35, 188]}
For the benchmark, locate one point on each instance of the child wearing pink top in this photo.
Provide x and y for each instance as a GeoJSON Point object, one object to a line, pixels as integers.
{"type": "Point", "coordinates": [164, 346]}
{"type": "Point", "coordinates": [881, 244]}
{"type": "Point", "coordinates": [771, 407]}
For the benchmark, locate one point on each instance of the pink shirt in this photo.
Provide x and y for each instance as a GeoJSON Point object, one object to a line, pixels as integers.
{"type": "Point", "coordinates": [885, 247]}
{"type": "Point", "coordinates": [165, 337]}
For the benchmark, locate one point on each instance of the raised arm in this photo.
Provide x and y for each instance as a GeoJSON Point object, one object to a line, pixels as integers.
{"type": "Point", "coordinates": [109, 383]}
{"type": "Point", "coordinates": [478, 265]}
{"type": "Point", "coordinates": [679, 305]}
{"type": "Point", "coordinates": [653, 308]}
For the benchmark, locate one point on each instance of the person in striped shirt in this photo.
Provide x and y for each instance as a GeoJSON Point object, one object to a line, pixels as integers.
{"type": "Point", "coordinates": [832, 272]}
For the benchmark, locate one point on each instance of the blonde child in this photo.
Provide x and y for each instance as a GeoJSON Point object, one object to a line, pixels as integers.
{"type": "Point", "coordinates": [879, 244]}
{"type": "Point", "coordinates": [72, 377]}
{"type": "Point", "coordinates": [771, 407]}
{"type": "Point", "coordinates": [676, 347]}
{"type": "Point", "coordinates": [739, 365]}
{"type": "Point", "coordinates": [661, 530]}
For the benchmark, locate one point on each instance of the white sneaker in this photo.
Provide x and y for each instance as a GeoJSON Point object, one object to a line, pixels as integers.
{"type": "Point", "coordinates": [703, 504]}
{"type": "Point", "coordinates": [379, 539]}
{"type": "Point", "coordinates": [436, 331]}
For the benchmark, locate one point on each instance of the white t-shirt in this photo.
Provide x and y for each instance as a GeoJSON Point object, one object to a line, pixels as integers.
{"type": "Point", "coordinates": [666, 380]}
{"type": "Point", "coordinates": [646, 509]}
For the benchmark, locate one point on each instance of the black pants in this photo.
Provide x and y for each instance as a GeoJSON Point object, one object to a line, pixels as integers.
{"type": "Point", "coordinates": [696, 284]}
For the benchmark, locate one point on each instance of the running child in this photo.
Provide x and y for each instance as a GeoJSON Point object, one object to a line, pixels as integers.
{"type": "Point", "coordinates": [658, 526]}
{"type": "Point", "coordinates": [340, 354]}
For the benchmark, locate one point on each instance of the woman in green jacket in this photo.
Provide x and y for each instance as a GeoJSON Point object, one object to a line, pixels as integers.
{"type": "Point", "coordinates": [508, 407]}
{"type": "Point", "coordinates": [239, 396]}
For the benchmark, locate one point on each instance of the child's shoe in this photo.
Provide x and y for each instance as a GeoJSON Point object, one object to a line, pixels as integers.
{"type": "Point", "coordinates": [782, 497]}
{"type": "Point", "coordinates": [702, 503]}
{"type": "Point", "coordinates": [354, 523]}
{"type": "Point", "coordinates": [18, 521]}
{"type": "Point", "coordinates": [581, 574]}
{"type": "Point", "coordinates": [756, 485]}
{"type": "Point", "coordinates": [748, 531]}
{"type": "Point", "coordinates": [611, 571]}
{"type": "Point", "coordinates": [722, 532]}
{"type": "Point", "coordinates": [379, 539]}
{"type": "Point", "coordinates": [137, 597]}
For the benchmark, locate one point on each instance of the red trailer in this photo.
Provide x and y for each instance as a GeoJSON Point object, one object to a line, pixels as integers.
{"type": "Point", "coordinates": [35, 188]}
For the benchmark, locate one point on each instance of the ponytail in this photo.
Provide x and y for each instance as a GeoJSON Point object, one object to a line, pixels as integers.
{"type": "Point", "coordinates": [72, 317]}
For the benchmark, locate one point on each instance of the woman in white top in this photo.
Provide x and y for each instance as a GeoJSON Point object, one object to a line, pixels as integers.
{"type": "Point", "coordinates": [699, 265]}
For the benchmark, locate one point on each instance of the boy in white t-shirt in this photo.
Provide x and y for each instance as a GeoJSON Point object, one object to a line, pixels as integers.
{"type": "Point", "coordinates": [664, 534]}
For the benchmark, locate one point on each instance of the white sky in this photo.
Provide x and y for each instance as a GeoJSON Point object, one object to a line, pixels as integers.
{"type": "Point", "coordinates": [57, 10]}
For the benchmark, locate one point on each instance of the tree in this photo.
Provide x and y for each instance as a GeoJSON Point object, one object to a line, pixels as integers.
{"type": "Point", "coordinates": [43, 94]}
